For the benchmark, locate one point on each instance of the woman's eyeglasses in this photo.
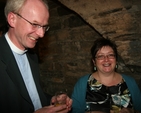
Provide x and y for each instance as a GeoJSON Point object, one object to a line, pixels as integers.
{"type": "Point", "coordinates": [102, 57]}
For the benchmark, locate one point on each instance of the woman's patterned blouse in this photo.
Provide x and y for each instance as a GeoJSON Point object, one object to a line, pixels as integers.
{"type": "Point", "coordinates": [105, 98]}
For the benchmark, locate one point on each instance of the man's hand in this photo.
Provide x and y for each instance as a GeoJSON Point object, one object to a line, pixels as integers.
{"type": "Point", "coordinates": [62, 108]}
{"type": "Point", "coordinates": [53, 109]}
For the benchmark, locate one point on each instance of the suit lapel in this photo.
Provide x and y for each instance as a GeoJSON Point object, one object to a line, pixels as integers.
{"type": "Point", "coordinates": [16, 77]}
{"type": "Point", "coordinates": [13, 70]}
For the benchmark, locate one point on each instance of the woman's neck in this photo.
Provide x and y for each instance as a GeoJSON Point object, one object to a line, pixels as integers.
{"type": "Point", "coordinates": [108, 79]}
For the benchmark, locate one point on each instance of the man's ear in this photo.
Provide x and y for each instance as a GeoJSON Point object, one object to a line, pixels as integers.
{"type": "Point", "coordinates": [11, 19]}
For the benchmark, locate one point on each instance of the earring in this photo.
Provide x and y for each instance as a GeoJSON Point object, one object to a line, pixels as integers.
{"type": "Point", "coordinates": [94, 68]}
{"type": "Point", "coordinates": [116, 66]}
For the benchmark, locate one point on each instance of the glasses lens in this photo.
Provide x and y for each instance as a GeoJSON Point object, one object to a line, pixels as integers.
{"type": "Point", "coordinates": [101, 57]}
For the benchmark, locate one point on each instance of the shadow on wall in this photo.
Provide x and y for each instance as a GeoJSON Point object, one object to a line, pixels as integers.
{"type": "Point", "coordinates": [3, 23]}
{"type": "Point", "coordinates": [3, 29]}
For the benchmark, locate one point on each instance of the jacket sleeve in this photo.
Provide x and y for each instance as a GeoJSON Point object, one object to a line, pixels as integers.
{"type": "Point", "coordinates": [78, 95]}
{"type": "Point", "coordinates": [135, 92]}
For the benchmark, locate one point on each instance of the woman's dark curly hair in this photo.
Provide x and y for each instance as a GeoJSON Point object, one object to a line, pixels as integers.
{"type": "Point", "coordinates": [101, 42]}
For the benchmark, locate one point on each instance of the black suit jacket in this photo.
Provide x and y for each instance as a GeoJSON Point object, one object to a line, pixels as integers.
{"type": "Point", "coordinates": [14, 97]}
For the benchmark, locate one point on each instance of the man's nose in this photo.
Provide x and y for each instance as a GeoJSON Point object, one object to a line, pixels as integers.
{"type": "Point", "coordinates": [40, 31]}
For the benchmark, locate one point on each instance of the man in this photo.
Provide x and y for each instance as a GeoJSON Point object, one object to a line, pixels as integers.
{"type": "Point", "coordinates": [20, 91]}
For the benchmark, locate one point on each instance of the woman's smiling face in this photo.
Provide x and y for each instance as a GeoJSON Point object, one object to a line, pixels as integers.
{"type": "Point", "coordinates": [105, 60]}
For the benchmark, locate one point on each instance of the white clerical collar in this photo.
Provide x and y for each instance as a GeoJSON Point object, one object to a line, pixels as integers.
{"type": "Point", "coordinates": [13, 47]}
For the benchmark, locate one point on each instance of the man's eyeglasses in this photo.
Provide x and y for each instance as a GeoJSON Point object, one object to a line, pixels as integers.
{"type": "Point", "coordinates": [102, 57]}
{"type": "Point", "coordinates": [34, 26]}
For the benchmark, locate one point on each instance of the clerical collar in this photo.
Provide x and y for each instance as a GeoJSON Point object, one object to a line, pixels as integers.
{"type": "Point", "coordinates": [13, 47]}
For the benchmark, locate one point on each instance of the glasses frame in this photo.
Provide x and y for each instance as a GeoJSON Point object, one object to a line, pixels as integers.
{"type": "Point", "coordinates": [102, 57]}
{"type": "Point", "coordinates": [34, 25]}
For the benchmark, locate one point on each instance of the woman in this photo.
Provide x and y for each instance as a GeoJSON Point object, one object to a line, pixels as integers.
{"type": "Point", "coordinates": [105, 90]}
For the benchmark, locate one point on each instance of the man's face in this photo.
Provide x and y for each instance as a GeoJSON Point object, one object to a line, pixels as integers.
{"type": "Point", "coordinates": [25, 34]}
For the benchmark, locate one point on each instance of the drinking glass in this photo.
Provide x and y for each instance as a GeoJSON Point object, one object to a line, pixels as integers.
{"type": "Point", "coordinates": [61, 97]}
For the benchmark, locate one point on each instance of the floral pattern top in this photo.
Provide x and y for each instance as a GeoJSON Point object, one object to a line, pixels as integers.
{"type": "Point", "coordinates": [105, 98]}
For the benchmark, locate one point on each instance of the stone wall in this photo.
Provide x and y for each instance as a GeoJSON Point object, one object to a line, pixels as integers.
{"type": "Point", "coordinates": [64, 52]}
{"type": "Point", "coordinates": [3, 27]}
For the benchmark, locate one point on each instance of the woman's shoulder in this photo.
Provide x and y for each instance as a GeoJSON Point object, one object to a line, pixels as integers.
{"type": "Point", "coordinates": [84, 77]}
{"type": "Point", "coordinates": [127, 77]}
{"type": "Point", "coordinates": [129, 80]}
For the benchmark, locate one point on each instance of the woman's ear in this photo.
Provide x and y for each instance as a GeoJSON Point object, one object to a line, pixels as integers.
{"type": "Point", "coordinates": [94, 65]}
{"type": "Point", "coordinates": [93, 61]}
{"type": "Point", "coordinates": [11, 19]}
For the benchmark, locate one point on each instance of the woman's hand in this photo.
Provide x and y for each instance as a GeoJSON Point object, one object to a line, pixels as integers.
{"type": "Point", "coordinates": [126, 110]}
